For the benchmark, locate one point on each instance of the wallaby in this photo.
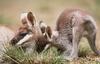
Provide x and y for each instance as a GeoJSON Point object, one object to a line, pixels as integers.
{"type": "Point", "coordinates": [30, 36]}
{"type": "Point", "coordinates": [71, 26]}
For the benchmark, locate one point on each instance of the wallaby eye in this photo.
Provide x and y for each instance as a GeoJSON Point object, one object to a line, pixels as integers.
{"type": "Point", "coordinates": [23, 33]}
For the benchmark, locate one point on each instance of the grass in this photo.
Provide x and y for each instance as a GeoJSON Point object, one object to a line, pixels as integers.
{"type": "Point", "coordinates": [14, 55]}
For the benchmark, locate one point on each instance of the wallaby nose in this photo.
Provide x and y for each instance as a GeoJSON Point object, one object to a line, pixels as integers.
{"type": "Point", "coordinates": [13, 41]}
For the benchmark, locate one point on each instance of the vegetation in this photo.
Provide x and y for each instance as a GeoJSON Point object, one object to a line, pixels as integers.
{"type": "Point", "coordinates": [14, 55]}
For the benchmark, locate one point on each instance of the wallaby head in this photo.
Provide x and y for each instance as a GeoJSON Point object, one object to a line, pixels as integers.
{"type": "Point", "coordinates": [21, 32]}
{"type": "Point", "coordinates": [28, 21]}
{"type": "Point", "coordinates": [29, 38]}
{"type": "Point", "coordinates": [32, 32]}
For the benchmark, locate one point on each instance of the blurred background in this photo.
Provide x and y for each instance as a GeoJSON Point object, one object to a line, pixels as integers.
{"type": "Point", "coordinates": [46, 10]}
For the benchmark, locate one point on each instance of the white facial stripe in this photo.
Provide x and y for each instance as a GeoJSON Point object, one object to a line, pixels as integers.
{"type": "Point", "coordinates": [26, 38]}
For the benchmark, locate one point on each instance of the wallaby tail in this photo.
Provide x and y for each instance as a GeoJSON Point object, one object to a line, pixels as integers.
{"type": "Point", "coordinates": [91, 29]}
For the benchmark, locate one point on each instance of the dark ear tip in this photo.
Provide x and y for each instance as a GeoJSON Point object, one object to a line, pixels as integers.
{"type": "Point", "coordinates": [30, 13]}
{"type": "Point", "coordinates": [30, 17]}
{"type": "Point", "coordinates": [40, 22]}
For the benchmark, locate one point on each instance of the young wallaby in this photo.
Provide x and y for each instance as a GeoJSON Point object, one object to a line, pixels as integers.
{"type": "Point", "coordinates": [71, 26]}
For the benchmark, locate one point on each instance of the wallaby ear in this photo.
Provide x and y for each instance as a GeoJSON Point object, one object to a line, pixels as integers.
{"type": "Point", "coordinates": [31, 18]}
{"type": "Point", "coordinates": [49, 31]}
{"type": "Point", "coordinates": [43, 26]}
{"type": "Point", "coordinates": [28, 20]}
{"type": "Point", "coordinates": [45, 29]}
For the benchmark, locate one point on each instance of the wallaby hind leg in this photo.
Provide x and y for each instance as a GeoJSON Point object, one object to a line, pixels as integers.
{"type": "Point", "coordinates": [77, 34]}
